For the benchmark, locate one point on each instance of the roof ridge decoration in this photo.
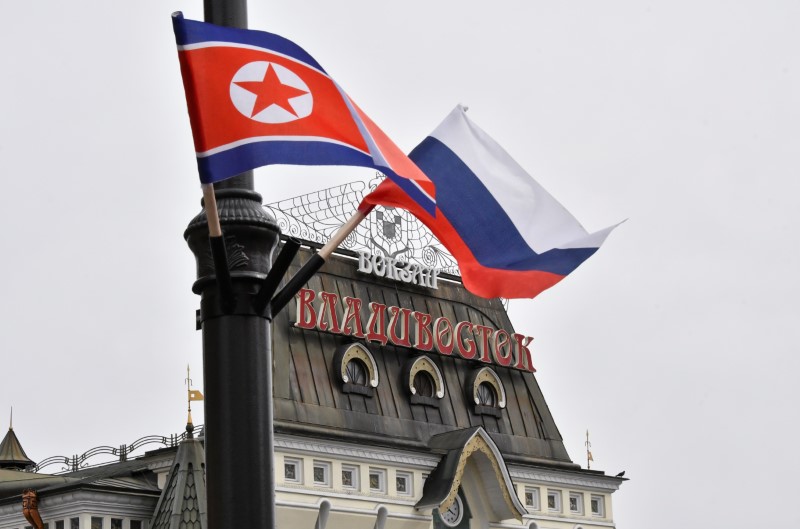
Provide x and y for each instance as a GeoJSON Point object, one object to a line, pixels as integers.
{"type": "Point", "coordinates": [78, 462]}
{"type": "Point", "coordinates": [390, 232]}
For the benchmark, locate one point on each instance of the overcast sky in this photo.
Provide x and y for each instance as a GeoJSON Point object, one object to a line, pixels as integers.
{"type": "Point", "coordinates": [675, 345]}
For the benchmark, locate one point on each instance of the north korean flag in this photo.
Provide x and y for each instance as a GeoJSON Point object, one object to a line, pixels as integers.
{"type": "Point", "coordinates": [257, 99]}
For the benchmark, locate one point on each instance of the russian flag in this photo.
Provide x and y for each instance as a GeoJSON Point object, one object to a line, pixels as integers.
{"type": "Point", "coordinates": [510, 237]}
{"type": "Point", "coordinates": [256, 99]}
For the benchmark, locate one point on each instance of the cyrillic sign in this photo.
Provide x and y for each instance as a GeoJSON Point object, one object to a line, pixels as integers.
{"type": "Point", "coordinates": [381, 266]}
{"type": "Point", "coordinates": [408, 328]}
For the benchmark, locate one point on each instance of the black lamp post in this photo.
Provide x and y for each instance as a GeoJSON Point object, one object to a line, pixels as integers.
{"type": "Point", "coordinates": [237, 345]}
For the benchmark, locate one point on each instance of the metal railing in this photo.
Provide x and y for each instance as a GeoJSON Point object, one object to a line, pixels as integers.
{"type": "Point", "coordinates": [79, 461]}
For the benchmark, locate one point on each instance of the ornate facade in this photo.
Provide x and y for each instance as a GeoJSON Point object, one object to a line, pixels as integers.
{"type": "Point", "coordinates": [396, 406]}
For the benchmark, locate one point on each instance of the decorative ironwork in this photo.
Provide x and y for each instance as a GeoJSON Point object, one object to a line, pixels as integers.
{"type": "Point", "coordinates": [391, 232]}
{"type": "Point", "coordinates": [78, 462]}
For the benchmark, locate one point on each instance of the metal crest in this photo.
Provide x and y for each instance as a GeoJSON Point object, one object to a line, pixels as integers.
{"type": "Point", "coordinates": [391, 232]}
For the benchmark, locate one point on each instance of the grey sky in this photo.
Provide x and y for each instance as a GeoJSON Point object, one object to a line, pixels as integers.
{"type": "Point", "coordinates": [676, 344]}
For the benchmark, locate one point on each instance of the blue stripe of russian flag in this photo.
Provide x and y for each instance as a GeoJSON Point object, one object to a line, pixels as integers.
{"type": "Point", "coordinates": [482, 223]}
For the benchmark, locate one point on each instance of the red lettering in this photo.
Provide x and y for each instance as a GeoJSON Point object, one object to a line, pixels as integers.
{"type": "Point", "coordinates": [443, 328]}
{"type": "Point", "coordinates": [399, 316]}
{"type": "Point", "coordinates": [465, 346]}
{"type": "Point", "coordinates": [352, 314]}
{"type": "Point", "coordinates": [326, 316]}
{"type": "Point", "coordinates": [484, 333]}
{"type": "Point", "coordinates": [502, 341]}
{"type": "Point", "coordinates": [306, 316]}
{"type": "Point", "coordinates": [376, 326]}
{"type": "Point", "coordinates": [423, 338]}
{"type": "Point", "coordinates": [523, 353]}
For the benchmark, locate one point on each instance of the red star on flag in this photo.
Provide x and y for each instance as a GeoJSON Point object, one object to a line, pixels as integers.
{"type": "Point", "coordinates": [271, 91]}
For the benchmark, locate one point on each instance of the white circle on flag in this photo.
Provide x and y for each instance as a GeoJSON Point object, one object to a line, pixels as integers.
{"type": "Point", "coordinates": [256, 72]}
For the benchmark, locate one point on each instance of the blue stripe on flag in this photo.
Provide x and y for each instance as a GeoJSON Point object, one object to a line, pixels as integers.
{"type": "Point", "coordinates": [195, 32]}
{"type": "Point", "coordinates": [480, 220]}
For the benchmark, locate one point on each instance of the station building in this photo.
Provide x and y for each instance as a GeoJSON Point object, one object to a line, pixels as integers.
{"type": "Point", "coordinates": [401, 401]}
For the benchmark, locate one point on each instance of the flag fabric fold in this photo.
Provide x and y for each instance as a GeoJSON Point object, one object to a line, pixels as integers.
{"type": "Point", "coordinates": [257, 99]}
{"type": "Point", "coordinates": [510, 237]}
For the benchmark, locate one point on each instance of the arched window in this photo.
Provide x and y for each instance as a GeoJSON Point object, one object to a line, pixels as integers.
{"type": "Point", "coordinates": [424, 381]}
{"type": "Point", "coordinates": [486, 392]}
{"type": "Point", "coordinates": [356, 372]}
{"type": "Point", "coordinates": [486, 395]}
{"type": "Point", "coordinates": [357, 369]}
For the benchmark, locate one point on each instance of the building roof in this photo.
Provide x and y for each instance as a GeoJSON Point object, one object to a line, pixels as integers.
{"type": "Point", "coordinates": [134, 475]}
{"type": "Point", "coordinates": [309, 398]}
{"type": "Point", "coordinates": [471, 445]}
{"type": "Point", "coordinates": [11, 453]}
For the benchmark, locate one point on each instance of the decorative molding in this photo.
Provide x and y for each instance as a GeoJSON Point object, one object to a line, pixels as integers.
{"type": "Point", "coordinates": [528, 519]}
{"type": "Point", "coordinates": [351, 510]}
{"type": "Point", "coordinates": [566, 479]}
{"type": "Point", "coordinates": [481, 442]}
{"type": "Point", "coordinates": [425, 364]}
{"type": "Point", "coordinates": [486, 375]}
{"type": "Point", "coordinates": [356, 351]}
{"type": "Point", "coordinates": [391, 232]}
{"type": "Point", "coordinates": [355, 452]}
{"type": "Point", "coordinates": [74, 503]}
{"type": "Point", "coordinates": [295, 488]}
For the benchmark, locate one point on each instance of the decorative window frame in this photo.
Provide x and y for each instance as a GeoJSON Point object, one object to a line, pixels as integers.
{"type": "Point", "coordinates": [356, 473]}
{"type": "Point", "coordinates": [535, 504]}
{"type": "Point", "coordinates": [298, 470]}
{"type": "Point", "coordinates": [381, 473]}
{"type": "Point", "coordinates": [601, 504]}
{"type": "Point", "coordinates": [325, 466]}
{"type": "Point", "coordinates": [356, 351]}
{"type": "Point", "coordinates": [424, 364]}
{"type": "Point", "coordinates": [578, 497]}
{"type": "Point", "coordinates": [409, 477]}
{"type": "Point", "coordinates": [557, 495]}
{"type": "Point", "coordinates": [488, 376]}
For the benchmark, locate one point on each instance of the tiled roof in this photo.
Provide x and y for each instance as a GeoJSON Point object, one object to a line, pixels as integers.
{"type": "Point", "coordinates": [183, 501]}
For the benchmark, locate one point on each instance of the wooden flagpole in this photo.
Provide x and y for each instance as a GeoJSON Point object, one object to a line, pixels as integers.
{"type": "Point", "coordinates": [218, 250]}
{"type": "Point", "coordinates": [342, 233]}
{"type": "Point", "coordinates": [297, 281]}
{"type": "Point", "coordinates": [210, 202]}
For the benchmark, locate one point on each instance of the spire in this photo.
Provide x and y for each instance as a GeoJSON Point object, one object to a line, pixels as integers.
{"type": "Point", "coordinates": [11, 453]}
{"type": "Point", "coordinates": [193, 394]}
{"type": "Point", "coordinates": [182, 504]}
{"type": "Point", "coordinates": [183, 501]}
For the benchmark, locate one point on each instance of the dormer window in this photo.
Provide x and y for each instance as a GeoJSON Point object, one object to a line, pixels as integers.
{"type": "Point", "coordinates": [424, 381]}
{"type": "Point", "coordinates": [356, 372]}
{"type": "Point", "coordinates": [486, 395]}
{"type": "Point", "coordinates": [357, 369]}
{"type": "Point", "coordinates": [486, 391]}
